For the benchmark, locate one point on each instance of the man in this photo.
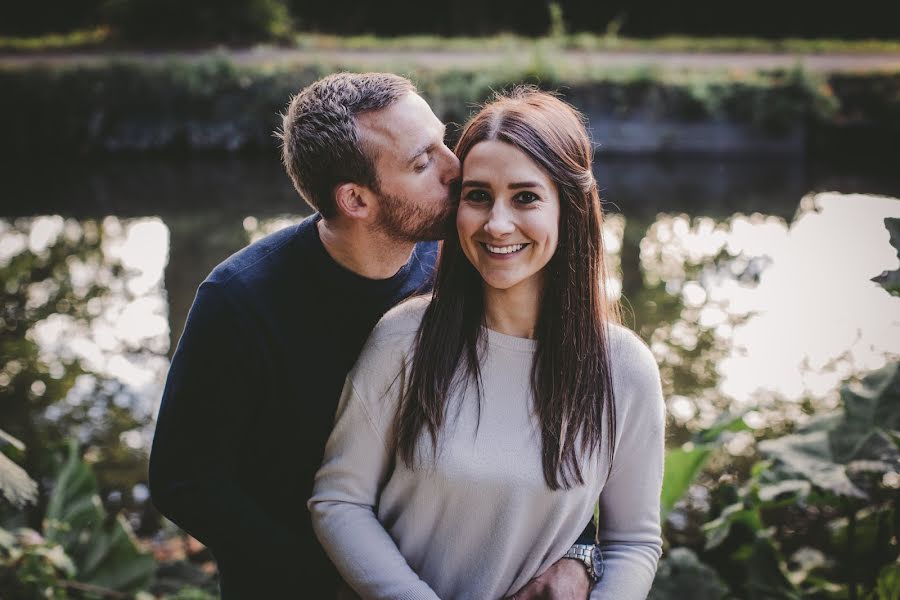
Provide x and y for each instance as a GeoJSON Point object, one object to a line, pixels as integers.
{"type": "Point", "coordinates": [253, 386]}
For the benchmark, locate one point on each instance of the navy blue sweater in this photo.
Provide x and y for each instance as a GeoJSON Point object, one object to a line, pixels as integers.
{"type": "Point", "coordinates": [250, 401]}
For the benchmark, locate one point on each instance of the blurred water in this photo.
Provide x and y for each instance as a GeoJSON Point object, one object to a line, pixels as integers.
{"type": "Point", "coordinates": [750, 281]}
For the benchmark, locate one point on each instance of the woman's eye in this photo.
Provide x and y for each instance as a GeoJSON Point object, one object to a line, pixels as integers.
{"type": "Point", "coordinates": [527, 197]}
{"type": "Point", "coordinates": [477, 196]}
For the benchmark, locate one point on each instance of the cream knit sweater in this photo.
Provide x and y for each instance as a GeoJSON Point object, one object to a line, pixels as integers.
{"type": "Point", "coordinates": [480, 522]}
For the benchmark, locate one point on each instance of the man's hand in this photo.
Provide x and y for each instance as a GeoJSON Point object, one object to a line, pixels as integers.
{"type": "Point", "coordinates": [566, 579]}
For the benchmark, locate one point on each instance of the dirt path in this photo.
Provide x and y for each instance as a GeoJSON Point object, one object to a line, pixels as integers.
{"type": "Point", "coordinates": [399, 59]}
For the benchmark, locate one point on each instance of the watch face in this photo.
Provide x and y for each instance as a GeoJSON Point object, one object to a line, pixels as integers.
{"type": "Point", "coordinates": [597, 562]}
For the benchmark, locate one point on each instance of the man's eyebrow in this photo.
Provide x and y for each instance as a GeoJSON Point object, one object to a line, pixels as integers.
{"type": "Point", "coordinates": [426, 147]}
{"type": "Point", "coordinates": [419, 151]}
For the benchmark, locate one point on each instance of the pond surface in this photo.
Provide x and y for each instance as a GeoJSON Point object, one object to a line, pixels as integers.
{"type": "Point", "coordinates": [749, 280]}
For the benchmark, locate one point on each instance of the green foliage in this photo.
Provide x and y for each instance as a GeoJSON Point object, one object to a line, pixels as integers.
{"type": "Point", "coordinates": [818, 517]}
{"type": "Point", "coordinates": [610, 39]}
{"type": "Point", "coordinates": [681, 469]}
{"type": "Point", "coordinates": [39, 401]}
{"type": "Point", "coordinates": [888, 586]}
{"type": "Point", "coordinates": [15, 485]}
{"type": "Point", "coordinates": [81, 38]}
{"type": "Point", "coordinates": [102, 547]}
{"type": "Point", "coordinates": [890, 280]}
{"type": "Point", "coordinates": [234, 21]}
{"type": "Point", "coordinates": [822, 487]}
{"type": "Point", "coordinates": [32, 567]}
{"type": "Point", "coordinates": [681, 575]}
{"type": "Point", "coordinates": [82, 548]}
{"type": "Point", "coordinates": [871, 421]}
{"type": "Point", "coordinates": [557, 24]}
{"type": "Point", "coordinates": [861, 444]}
{"type": "Point", "coordinates": [808, 458]}
{"type": "Point", "coordinates": [191, 593]}
{"type": "Point", "coordinates": [683, 464]}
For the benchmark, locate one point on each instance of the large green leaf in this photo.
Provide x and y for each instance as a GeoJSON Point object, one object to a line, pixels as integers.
{"type": "Point", "coordinates": [726, 423]}
{"type": "Point", "coordinates": [681, 468]}
{"type": "Point", "coordinates": [681, 575]}
{"type": "Point", "coordinates": [890, 280]}
{"type": "Point", "coordinates": [103, 547]}
{"type": "Point", "coordinates": [808, 456]}
{"type": "Point", "coordinates": [8, 440]}
{"type": "Point", "coordinates": [682, 465]}
{"type": "Point", "coordinates": [15, 485]}
{"type": "Point", "coordinates": [718, 529]}
{"type": "Point", "coordinates": [870, 547]}
{"type": "Point", "coordinates": [871, 406]}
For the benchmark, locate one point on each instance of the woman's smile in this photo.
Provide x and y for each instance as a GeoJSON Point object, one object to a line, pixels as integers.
{"type": "Point", "coordinates": [503, 252]}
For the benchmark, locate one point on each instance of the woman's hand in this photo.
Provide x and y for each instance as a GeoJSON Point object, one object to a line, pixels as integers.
{"type": "Point", "coordinates": [566, 579]}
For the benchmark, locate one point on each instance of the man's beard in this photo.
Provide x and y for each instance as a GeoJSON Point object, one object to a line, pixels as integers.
{"type": "Point", "coordinates": [408, 221]}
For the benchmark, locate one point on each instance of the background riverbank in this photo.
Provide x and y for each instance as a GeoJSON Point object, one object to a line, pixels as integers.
{"type": "Point", "coordinates": [219, 102]}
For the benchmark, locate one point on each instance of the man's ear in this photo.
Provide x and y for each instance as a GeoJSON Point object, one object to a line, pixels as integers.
{"type": "Point", "coordinates": [353, 201]}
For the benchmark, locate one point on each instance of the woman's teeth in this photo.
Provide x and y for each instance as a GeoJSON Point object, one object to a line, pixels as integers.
{"type": "Point", "coordinates": [504, 249]}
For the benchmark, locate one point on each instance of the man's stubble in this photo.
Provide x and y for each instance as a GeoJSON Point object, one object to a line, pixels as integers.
{"type": "Point", "coordinates": [405, 220]}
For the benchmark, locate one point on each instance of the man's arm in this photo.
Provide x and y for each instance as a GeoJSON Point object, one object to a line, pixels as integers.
{"type": "Point", "coordinates": [207, 403]}
{"type": "Point", "coordinates": [566, 579]}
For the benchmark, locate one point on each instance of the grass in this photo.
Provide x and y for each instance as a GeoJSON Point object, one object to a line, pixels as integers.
{"type": "Point", "coordinates": [595, 42]}
{"type": "Point", "coordinates": [82, 38]}
{"type": "Point", "coordinates": [103, 36]}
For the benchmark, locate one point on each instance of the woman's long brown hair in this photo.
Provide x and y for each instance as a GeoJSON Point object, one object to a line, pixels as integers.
{"type": "Point", "coordinates": [571, 377]}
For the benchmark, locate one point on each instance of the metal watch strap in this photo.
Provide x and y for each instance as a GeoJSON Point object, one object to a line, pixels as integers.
{"type": "Point", "coordinates": [584, 554]}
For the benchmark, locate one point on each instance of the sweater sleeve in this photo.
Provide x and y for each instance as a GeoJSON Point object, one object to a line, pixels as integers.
{"type": "Point", "coordinates": [203, 410]}
{"type": "Point", "coordinates": [630, 532]}
{"type": "Point", "coordinates": [356, 466]}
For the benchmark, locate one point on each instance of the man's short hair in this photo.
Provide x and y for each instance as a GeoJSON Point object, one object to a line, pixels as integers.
{"type": "Point", "coordinates": [320, 142]}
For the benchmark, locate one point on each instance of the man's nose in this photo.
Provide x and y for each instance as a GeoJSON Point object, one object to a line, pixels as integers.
{"type": "Point", "coordinates": [451, 169]}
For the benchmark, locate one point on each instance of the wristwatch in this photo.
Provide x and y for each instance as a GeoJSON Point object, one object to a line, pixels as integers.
{"type": "Point", "coordinates": [590, 556]}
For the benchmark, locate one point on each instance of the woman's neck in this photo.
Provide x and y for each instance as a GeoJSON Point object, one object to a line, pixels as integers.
{"type": "Point", "coordinates": [513, 311]}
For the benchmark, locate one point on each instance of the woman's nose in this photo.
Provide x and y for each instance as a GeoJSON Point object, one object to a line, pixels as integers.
{"type": "Point", "coordinates": [500, 222]}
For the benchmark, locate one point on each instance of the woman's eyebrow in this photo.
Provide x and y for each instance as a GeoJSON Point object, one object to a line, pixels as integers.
{"type": "Point", "coordinates": [475, 183]}
{"type": "Point", "coordinates": [524, 184]}
{"type": "Point", "coordinates": [513, 186]}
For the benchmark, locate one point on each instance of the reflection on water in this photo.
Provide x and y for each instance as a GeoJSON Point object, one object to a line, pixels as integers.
{"type": "Point", "coordinates": [747, 304]}
{"type": "Point", "coordinates": [85, 337]}
{"type": "Point", "coordinates": [753, 311]}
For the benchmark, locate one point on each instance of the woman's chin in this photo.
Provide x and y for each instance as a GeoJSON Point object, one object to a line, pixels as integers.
{"type": "Point", "coordinates": [501, 284]}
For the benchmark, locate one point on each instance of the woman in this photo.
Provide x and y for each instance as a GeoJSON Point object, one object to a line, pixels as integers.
{"type": "Point", "coordinates": [479, 428]}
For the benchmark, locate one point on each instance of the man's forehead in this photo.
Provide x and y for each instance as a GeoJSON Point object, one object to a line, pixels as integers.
{"type": "Point", "coordinates": [402, 127]}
